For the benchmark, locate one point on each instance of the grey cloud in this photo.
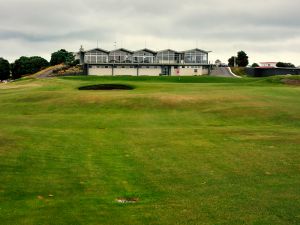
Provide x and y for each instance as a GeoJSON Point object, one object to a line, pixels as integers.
{"type": "Point", "coordinates": [73, 35]}
{"type": "Point", "coordinates": [216, 24]}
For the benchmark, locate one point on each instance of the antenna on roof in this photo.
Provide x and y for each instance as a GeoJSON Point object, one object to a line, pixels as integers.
{"type": "Point", "coordinates": [115, 45]}
{"type": "Point", "coordinates": [81, 48]}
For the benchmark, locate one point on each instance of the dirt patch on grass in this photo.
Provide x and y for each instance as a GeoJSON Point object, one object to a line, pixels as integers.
{"type": "Point", "coordinates": [107, 87]}
{"type": "Point", "coordinates": [123, 200]}
{"type": "Point", "coordinates": [16, 86]}
{"type": "Point", "coordinates": [295, 82]}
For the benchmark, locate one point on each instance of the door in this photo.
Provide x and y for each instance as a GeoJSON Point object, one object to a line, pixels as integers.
{"type": "Point", "coordinates": [165, 70]}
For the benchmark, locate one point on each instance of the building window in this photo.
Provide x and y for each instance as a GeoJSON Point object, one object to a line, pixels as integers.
{"type": "Point", "coordinates": [195, 57]}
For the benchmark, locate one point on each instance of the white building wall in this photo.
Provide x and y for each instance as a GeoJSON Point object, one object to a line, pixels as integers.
{"type": "Point", "coordinates": [268, 64]}
{"type": "Point", "coordinates": [150, 71]}
{"type": "Point", "coordinates": [144, 71]}
{"type": "Point", "coordinates": [100, 71]}
{"type": "Point", "coordinates": [187, 71]}
{"type": "Point", "coordinates": [125, 71]}
{"type": "Point", "coordinates": [204, 71]}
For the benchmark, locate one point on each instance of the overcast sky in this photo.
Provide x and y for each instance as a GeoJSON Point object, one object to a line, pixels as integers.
{"type": "Point", "coordinates": [267, 30]}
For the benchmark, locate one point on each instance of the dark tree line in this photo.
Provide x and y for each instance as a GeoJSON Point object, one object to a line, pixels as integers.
{"type": "Point", "coordinates": [30, 65]}
{"type": "Point", "coordinates": [288, 65]}
{"type": "Point", "coordinates": [242, 60]}
{"type": "Point", "coordinates": [4, 69]}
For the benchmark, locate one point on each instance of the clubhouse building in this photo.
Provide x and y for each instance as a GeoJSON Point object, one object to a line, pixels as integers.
{"type": "Point", "coordinates": [144, 62]}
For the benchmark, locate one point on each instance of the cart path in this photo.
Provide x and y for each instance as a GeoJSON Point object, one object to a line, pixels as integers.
{"type": "Point", "coordinates": [222, 72]}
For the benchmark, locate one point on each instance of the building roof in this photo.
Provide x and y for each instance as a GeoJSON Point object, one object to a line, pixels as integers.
{"type": "Point", "coordinates": [196, 49]}
{"type": "Point", "coordinates": [268, 62]}
{"type": "Point", "coordinates": [168, 50]}
{"type": "Point", "coordinates": [97, 49]}
{"type": "Point", "coordinates": [265, 67]}
{"type": "Point", "coordinates": [123, 50]}
{"type": "Point", "coordinates": [146, 50]}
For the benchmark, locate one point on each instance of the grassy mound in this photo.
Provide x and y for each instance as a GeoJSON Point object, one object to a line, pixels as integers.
{"type": "Point", "coordinates": [240, 71]}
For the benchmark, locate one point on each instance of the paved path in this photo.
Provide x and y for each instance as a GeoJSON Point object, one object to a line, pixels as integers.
{"type": "Point", "coordinates": [47, 72]}
{"type": "Point", "coordinates": [221, 72]}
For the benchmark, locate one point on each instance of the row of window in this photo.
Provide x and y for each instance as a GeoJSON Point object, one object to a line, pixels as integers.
{"type": "Point", "coordinates": [163, 57]}
{"type": "Point", "coordinates": [141, 61]}
{"type": "Point", "coordinates": [144, 67]}
{"type": "Point", "coordinates": [190, 67]}
{"type": "Point", "coordinates": [127, 67]}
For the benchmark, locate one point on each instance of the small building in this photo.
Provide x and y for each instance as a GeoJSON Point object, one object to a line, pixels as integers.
{"type": "Point", "coordinates": [268, 64]}
{"type": "Point", "coordinates": [144, 62]}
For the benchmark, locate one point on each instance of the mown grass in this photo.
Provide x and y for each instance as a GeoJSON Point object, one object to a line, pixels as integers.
{"type": "Point", "coordinates": [193, 150]}
{"type": "Point", "coordinates": [168, 79]}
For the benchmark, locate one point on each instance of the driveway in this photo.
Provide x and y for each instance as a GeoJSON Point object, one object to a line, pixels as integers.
{"type": "Point", "coordinates": [221, 72]}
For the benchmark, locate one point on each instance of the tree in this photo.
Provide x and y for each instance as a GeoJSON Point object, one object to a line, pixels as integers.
{"type": "Point", "coordinates": [4, 69]}
{"type": "Point", "coordinates": [38, 63]}
{"type": "Point", "coordinates": [255, 65]}
{"type": "Point", "coordinates": [218, 62]}
{"type": "Point", "coordinates": [231, 61]}
{"type": "Point", "coordinates": [28, 65]}
{"type": "Point", "coordinates": [242, 59]}
{"type": "Point", "coordinates": [62, 56]}
{"type": "Point", "coordinates": [282, 64]}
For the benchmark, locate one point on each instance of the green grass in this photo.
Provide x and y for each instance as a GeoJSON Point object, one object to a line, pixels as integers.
{"type": "Point", "coordinates": [194, 150]}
